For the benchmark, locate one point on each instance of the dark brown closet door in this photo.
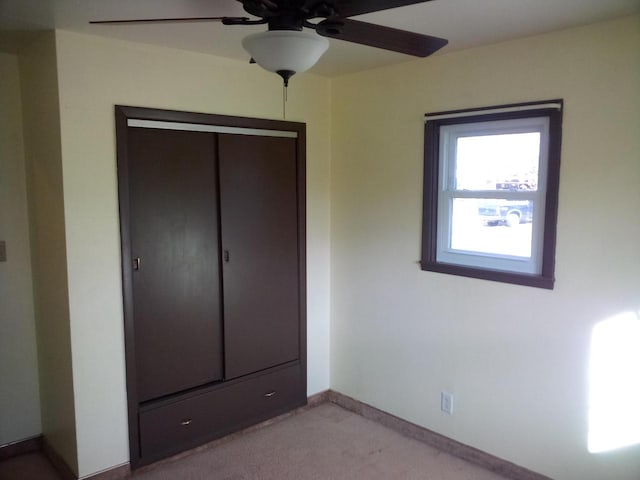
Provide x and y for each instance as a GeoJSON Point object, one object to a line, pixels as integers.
{"type": "Point", "coordinates": [174, 233]}
{"type": "Point", "coordinates": [258, 196]}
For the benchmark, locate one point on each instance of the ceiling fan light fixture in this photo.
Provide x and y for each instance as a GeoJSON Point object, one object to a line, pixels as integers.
{"type": "Point", "coordinates": [287, 51]}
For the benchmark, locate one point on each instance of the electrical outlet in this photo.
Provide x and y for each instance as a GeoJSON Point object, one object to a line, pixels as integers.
{"type": "Point", "coordinates": [446, 402]}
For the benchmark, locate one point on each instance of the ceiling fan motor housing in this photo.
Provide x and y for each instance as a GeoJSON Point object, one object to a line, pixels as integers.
{"type": "Point", "coordinates": [289, 14]}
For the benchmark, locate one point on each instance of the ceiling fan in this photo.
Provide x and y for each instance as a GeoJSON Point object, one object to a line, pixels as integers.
{"type": "Point", "coordinates": [286, 49]}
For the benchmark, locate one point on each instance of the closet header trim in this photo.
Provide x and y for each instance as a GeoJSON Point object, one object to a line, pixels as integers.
{"type": "Point", "coordinates": [198, 127]}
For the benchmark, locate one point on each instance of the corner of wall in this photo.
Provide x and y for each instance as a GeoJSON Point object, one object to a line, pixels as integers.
{"type": "Point", "coordinates": [41, 117]}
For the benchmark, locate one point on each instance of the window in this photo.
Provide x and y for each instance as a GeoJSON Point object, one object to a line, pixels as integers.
{"type": "Point", "coordinates": [491, 192]}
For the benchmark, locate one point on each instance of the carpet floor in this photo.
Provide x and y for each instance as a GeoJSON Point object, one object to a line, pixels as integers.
{"type": "Point", "coordinates": [29, 466]}
{"type": "Point", "coordinates": [324, 442]}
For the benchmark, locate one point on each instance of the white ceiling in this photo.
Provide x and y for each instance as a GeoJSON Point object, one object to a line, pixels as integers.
{"type": "Point", "coordinates": [466, 23]}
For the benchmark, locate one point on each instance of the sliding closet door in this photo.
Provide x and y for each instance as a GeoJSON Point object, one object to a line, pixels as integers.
{"type": "Point", "coordinates": [259, 200]}
{"type": "Point", "coordinates": [175, 249]}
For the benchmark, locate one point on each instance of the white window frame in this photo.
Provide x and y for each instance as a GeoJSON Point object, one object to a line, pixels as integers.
{"type": "Point", "coordinates": [448, 192]}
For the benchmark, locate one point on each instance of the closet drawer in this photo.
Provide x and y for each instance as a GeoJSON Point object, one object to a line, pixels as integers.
{"type": "Point", "coordinates": [192, 421]}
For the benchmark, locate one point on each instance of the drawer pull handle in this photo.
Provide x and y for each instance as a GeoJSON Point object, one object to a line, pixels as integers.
{"type": "Point", "coordinates": [186, 423]}
{"type": "Point", "coordinates": [270, 394]}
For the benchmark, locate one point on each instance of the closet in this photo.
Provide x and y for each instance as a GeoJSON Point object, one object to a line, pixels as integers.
{"type": "Point", "coordinates": [212, 220]}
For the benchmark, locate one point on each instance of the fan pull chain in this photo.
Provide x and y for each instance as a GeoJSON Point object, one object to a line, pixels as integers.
{"type": "Point", "coordinates": [284, 101]}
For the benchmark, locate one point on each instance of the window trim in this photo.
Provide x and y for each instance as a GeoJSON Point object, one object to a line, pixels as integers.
{"type": "Point", "coordinates": [552, 109]}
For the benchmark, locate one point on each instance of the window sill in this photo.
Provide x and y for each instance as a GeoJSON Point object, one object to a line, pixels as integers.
{"type": "Point", "coordinates": [526, 279]}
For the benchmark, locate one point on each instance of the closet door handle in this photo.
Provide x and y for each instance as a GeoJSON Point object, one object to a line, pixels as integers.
{"type": "Point", "coordinates": [270, 394]}
{"type": "Point", "coordinates": [136, 263]}
{"type": "Point", "coordinates": [225, 255]}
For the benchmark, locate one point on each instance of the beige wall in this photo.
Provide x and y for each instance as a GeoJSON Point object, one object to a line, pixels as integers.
{"type": "Point", "coordinates": [40, 109]}
{"type": "Point", "coordinates": [94, 74]}
{"type": "Point", "coordinates": [515, 357]}
{"type": "Point", "coordinates": [20, 399]}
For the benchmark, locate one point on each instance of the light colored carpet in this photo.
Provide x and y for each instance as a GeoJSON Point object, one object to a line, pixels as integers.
{"type": "Point", "coordinates": [325, 442]}
{"type": "Point", "coordinates": [322, 443]}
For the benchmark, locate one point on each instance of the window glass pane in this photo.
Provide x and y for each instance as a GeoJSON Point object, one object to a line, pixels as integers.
{"type": "Point", "coordinates": [498, 162]}
{"type": "Point", "coordinates": [492, 226]}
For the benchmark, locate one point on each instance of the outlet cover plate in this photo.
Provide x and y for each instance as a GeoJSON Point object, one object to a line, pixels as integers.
{"type": "Point", "coordinates": [446, 402]}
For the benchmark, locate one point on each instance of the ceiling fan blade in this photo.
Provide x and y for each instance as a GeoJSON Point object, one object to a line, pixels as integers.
{"type": "Point", "coordinates": [163, 20]}
{"type": "Point", "coordinates": [381, 37]}
{"type": "Point", "coordinates": [349, 8]}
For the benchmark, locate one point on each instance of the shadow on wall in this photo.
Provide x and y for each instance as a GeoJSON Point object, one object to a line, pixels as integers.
{"type": "Point", "coordinates": [614, 383]}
